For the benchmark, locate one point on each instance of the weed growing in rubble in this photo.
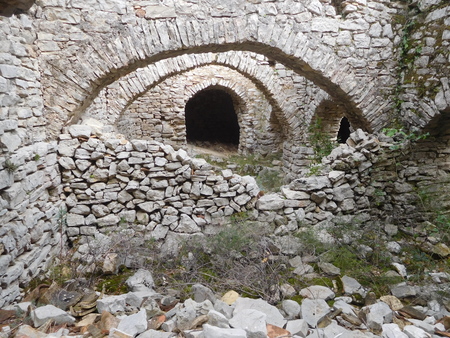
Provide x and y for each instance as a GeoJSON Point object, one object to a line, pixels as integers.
{"type": "Point", "coordinates": [10, 166]}
{"type": "Point", "coordinates": [401, 137]}
{"type": "Point", "coordinates": [321, 142]}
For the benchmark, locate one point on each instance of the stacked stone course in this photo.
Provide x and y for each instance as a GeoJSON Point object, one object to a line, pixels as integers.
{"type": "Point", "coordinates": [29, 232]}
{"type": "Point", "coordinates": [144, 182]}
{"type": "Point", "coordinates": [56, 59]}
{"type": "Point", "coordinates": [164, 194]}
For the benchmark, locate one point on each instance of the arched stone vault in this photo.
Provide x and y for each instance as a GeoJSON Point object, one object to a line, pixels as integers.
{"type": "Point", "coordinates": [101, 61]}
{"type": "Point", "coordinates": [291, 114]}
{"type": "Point", "coordinates": [162, 108]}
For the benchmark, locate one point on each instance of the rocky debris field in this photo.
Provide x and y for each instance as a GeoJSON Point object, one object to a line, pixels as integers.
{"type": "Point", "coordinates": [75, 310]}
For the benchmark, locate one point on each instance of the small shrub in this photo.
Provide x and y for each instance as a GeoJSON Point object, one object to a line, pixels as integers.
{"type": "Point", "coordinates": [10, 166]}
{"type": "Point", "coordinates": [321, 142]}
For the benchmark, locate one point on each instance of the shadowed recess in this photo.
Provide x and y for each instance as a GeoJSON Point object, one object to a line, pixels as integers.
{"type": "Point", "coordinates": [210, 116]}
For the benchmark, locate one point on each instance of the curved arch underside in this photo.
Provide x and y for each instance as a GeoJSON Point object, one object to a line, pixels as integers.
{"type": "Point", "coordinates": [285, 99]}
{"type": "Point", "coordinates": [118, 57]}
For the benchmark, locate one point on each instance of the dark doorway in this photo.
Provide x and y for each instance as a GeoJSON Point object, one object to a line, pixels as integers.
{"type": "Point", "coordinates": [210, 116]}
{"type": "Point", "coordinates": [344, 131]}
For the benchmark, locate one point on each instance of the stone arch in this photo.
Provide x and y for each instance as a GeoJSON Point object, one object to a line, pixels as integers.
{"type": "Point", "coordinates": [158, 113]}
{"type": "Point", "coordinates": [331, 114]}
{"type": "Point", "coordinates": [96, 67]}
{"type": "Point", "coordinates": [286, 109]}
{"type": "Point", "coordinates": [211, 115]}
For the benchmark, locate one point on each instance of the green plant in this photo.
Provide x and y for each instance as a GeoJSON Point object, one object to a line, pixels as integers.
{"type": "Point", "coordinates": [36, 157]}
{"type": "Point", "coordinates": [314, 169]}
{"type": "Point", "coordinates": [10, 166]}
{"type": "Point", "coordinates": [237, 257]}
{"type": "Point", "coordinates": [321, 142]}
{"type": "Point", "coordinates": [270, 179]}
{"type": "Point", "coordinates": [435, 208]}
{"type": "Point", "coordinates": [402, 137]}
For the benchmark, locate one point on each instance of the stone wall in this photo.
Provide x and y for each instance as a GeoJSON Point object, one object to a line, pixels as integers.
{"type": "Point", "coordinates": [165, 195]}
{"type": "Point", "coordinates": [344, 64]}
{"type": "Point", "coordinates": [423, 92]}
{"type": "Point", "coordinates": [56, 59]}
{"type": "Point", "coordinates": [146, 184]}
{"type": "Point", "coordinates": [29, 232]}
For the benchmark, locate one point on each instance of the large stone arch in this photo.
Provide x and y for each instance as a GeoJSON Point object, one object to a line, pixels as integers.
{"type": "Point", "coordinates": [284, 99]}
{"type": "Point", "coordinates": [101, 62]}
{"type": "Point", "coordinates": [159, 113]}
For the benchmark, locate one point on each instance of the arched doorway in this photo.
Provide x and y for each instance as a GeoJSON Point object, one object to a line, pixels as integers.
{"type": "Point", "coordinates": [210, 116]}
{"type": "Point", "coordinates": [344, 130]}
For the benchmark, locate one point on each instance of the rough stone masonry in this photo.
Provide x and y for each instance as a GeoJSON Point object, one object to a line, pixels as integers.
{"type": "Point", "coordinates": [377, 63]}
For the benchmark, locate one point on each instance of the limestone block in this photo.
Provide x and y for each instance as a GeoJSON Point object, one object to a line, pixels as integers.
{"type": "Point", "coordinates": [13, 273]}
{"type": "Point", "coordinates": [9, 71]}
{"type": "Point", "coordinates": [313, 310]}
{"type": "Point", "coordinates": [210, 331]}
{"type": "Point", "coordinates": [187, 225]}
{"type": "Point", "coordinates": [6, 179]}
{"type": "Point", "coordinates": [217, 319]}
{"type": "Point", "coordinates": [68, 147]}
{"type": "Point", "coordinates": [324, 25]}
{"type": "Point", "coordinates": [14, 195]}
{"type": "Point", "coordinates": [403, 290]}
{"type": "Point", "coordinates": [317, 292]}
{"type": "Point", "coordinates": [310, 183]}
{"type": "Point", "coordinates": [274, 316]}
{"type": "Point", "coordinates": [134, 324]}
{"type": "Point", "coordinates": [74, 220]}
{"type": "Point", "coordinates": [294, 195]}
{"type": "Point", "coordinates": [297, 327]}
{"type": "Point", "coordinates": [252, 321]}
{"type": "Point", "coordinates": [159, 12]}
{"type": "Point", "coordinates": [11, 140]}
{"type": "Point", "coordinates": [352, 286]}
{"type": "Point", "coordinates": [270, 202]}
{"type": "Point", "coordinates": [42, 314]}
{"type": "Point", "coordinates": [291, 308]}
{"type": "Point", "coordinates": [112, 304]}
{"type": "Point", "coordinates": [78, 130]}
{"type": "Point", "coordinates": [67, 163]}
{"type": "Point", "coordinates": [108, 220]}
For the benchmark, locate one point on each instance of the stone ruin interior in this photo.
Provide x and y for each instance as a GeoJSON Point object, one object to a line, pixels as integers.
{"type": "Point", "coordinates": [104, 103]}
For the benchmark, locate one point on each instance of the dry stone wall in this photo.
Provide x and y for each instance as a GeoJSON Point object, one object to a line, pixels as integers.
{"type": "Point", "coordinates": [424, 92]}
{"type": "Point", "coordinates": [162, 110]}
{"type": "Point", "coordinates": [29, 175]}
{"type": "Point", "coordinates": [57, 57]}
{"type": "Point", "coordinates": [165, 195]}
{"type": "Point", "coordinates": [145, 183]}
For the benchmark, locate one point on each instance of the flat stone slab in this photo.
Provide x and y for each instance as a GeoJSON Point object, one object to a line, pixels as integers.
{"type": "Point", "coordinates": [44, 313]}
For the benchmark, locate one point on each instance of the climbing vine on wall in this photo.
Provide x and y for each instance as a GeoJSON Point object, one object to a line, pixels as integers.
{"type": "Point", "coordinates": [320, 141]}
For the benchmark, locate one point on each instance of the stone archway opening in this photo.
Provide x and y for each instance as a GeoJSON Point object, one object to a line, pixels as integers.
{"type": "Point", "coordinates": [211, 117]}
{"type": "Point", "coordinates": [344, 130]}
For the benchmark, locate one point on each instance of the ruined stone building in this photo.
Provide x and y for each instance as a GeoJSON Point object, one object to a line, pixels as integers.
{"type": "Point", "coordinates": [74, 74]}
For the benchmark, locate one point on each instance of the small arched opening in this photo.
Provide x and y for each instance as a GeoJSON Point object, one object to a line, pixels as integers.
{"type": "Point", "coordinates": [344, 130]}
{"type": "Point", "coordinates": [211, 117]}
{"type": "Point", "coordinates": [333, 120]}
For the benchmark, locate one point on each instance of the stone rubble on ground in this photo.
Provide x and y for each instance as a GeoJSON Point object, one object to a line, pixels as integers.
{"type": "Point", "coordinates": [205, 315]}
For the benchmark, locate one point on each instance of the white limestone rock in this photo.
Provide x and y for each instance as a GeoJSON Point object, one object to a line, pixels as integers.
{"type": "Point", "coordinates": [274, 316]}
{"type": "Point", "coordinates": [79, 130]}
{"type": "Point", "coordinates": [42, 314]}
{"type": "Point", "coordinates": [252, 321]}
{"type": "Point", "coordinates": [134, 324]}
{"type": "Point", "coordinates": [270, 202]}
{"type": "Point", "coordinates": [313, 310]}
{"type": "Point", "coordinates": [112, 304]}
{"type": "Point", "coordinates": [393, 331]}
{"type": "Point", "coordinates": [317, 292]}
{"type": "Point", "coordinates": [210, 331]}
{"type": "Point", "coordinates": [218, 319]}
